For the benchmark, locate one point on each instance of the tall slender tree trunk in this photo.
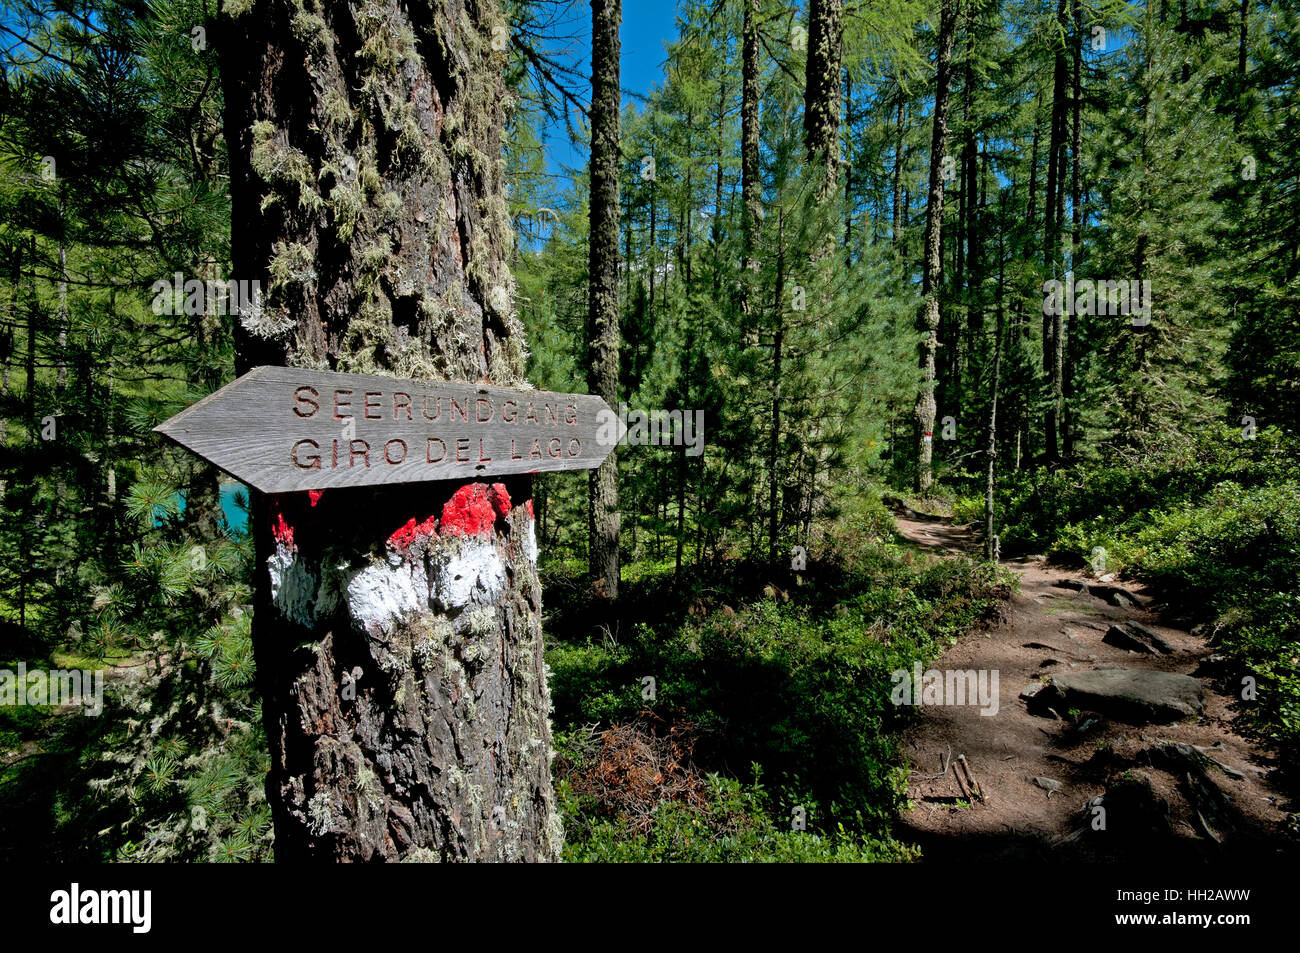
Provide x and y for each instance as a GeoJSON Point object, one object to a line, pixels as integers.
{"type": "Point", "coordinates": [33, 318]}
{"type": "Point", "coordinates": [1031, 210]}
{"type": "Point", "coordinates": [686, 225]}
{"type": "Point", "coordinates": [602, 321]}
{"type": "Point", "coordinates": [990, 484]}
{"type": "Point", "coordinates": [652, 252]}
{"type": "Point", "coordinates": [405, 712]}
{"type": "Point", "coordinates": [751, 186]}
{"type": "Point", "coordinates": [848, 170]}
{"type": "Point", "coordinates": [976, 177]}
{"type": "Point", "coordinates": [1068, 423]}
{"type": "Point", "coordinates": [719, 159]}
{"type": "Point", "coordinates": [61, 378]}
{"type": "Point", "coordinates": [1243, 38]}
{"type": "Point", "coordinates": [928, 317]}
{"type": "Point", "coordinates": [1053, 325]}
{"type": "Point", "coordinates": [898, 170]}
{"type": "Point", "coordinates": [774, 430]}
{"type": "Point", "coordinates": [7, 341]}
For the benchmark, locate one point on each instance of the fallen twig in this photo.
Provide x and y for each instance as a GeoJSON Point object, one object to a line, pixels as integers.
{"type": "Point", "coordinates": [974, 785]}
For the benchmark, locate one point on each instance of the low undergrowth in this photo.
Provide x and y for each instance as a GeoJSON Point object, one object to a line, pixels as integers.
{"type": "Point", "coordinates": [755, 723]}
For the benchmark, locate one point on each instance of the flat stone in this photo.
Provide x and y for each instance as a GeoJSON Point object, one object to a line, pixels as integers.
{"type": "Point", "coordinates": [1150, 636]}
{"type": "Point", "coordinates": [1050, 785]}
{"type": "Point", "coordinates": [1113, 595]}
{"type": "Point", "coordinates": [1121, 638]}
{"type": "Point", "coordinates": [1136, 637]}
{"type": "Point", "coordinates": [1032, 689]}
{"type": "Point", "coordinates": [1131, 695]}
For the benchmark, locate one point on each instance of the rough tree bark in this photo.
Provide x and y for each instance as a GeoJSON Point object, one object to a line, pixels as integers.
{"type": "Point", "coordinates": [397, 630]}
{"type": "Point", "coordinates": [751, 187]}
{"type": "Point", "coordinates": [991, 451]}
{"type": "Point", "coordinates": [898, 169]}
{"type": "Point", "coordinates": [821, 103]}
{"type": "Point", "coordinates": [1075, 327]}
{"type": "Point", "coordinates": [774, 419]}
{"type": "Point", "coordinates": [602, 319]}
{"type": "Point", "coordinates": [928, 316]}
{"type": "Point", "coordinates": [1054, 326]}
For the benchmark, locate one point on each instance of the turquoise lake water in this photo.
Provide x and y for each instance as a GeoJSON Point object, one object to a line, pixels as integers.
{"type": "Point", "coordinates": [235, 514]}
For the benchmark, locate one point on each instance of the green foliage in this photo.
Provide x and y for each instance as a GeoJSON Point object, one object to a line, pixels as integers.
{"type": "Point", "coordinates": [736, 826]}
{"type": "Point", "coordinates": [968, 509]}
{"type": "Point", "coordinates": [111, 544]}
{"type": "Point", "coordinates": [800, 688]}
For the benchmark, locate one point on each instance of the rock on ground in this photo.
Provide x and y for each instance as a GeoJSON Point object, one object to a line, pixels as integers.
{"type": "Point", "coordinates": [1136, 696]}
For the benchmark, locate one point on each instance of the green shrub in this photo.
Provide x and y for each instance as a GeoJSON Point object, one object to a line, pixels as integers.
{"type": "Point", "coordinates": [968, 509]}
{"type": "Point", "coordinates": [735, 827]}
{"type": "Point", "coordinates": [799, 688]}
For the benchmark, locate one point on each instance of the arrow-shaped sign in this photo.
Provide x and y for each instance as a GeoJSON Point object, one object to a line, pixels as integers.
{"type": "Point", "coordinates": [281, 429]}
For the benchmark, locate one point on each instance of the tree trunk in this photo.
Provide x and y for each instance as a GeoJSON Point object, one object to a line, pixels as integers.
{"type": "Point", "coordinates": [928, 322]}
{"type": "Point", "coordinates": [1068, 422]}
{"type": "Point", "coordinates": [1243, 38]}
{"type": "Point", "coordinates": [61, 379]}
{"type": "Point", "coordinates": [7, 342]}
{"type": "Point", "coordinates": [975, 177]}
{"type": "Point", "coordinates": [898, 171]}
{"type": "Point", "coordinates": [720, 159]}
{"type": "Point", "coordinates": [1053, 326]}
{"type": "Point", "coordinates": [990, 484]}
{"type": "Point", "coordinates": [848, 171]}
{"type": "Point", "coordinates": [751, 187]}
{"type": "Point", "coordinates": [602, 320]}
{"type": "Point", "coordinates": [653, 250]}
{"type": "Point", "coordinates": [774, 434]}
{"type": "Point", "coordinates": [821, 103]}
{"type": "Point", "coordinates": [33, 317]}
{"type": "Point", "coordinates": [1031, 211]}
{"type": "Point", "coordinates": [405, 711]}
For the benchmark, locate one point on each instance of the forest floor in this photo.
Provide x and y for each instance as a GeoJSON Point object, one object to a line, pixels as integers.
{"type": "Point", "coordinates": [1158, 800]}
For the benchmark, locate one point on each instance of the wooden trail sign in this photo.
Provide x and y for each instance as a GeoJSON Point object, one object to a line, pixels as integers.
{"type": "Point", "coordinates": [280, 429]}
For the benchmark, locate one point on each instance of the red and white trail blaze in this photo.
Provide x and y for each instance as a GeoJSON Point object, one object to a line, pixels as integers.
{"type": "Point", "coordinates": [446, 561]}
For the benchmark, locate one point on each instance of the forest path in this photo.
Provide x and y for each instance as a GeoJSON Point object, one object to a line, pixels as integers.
{"type": "Point", "coordinates": [1156, 805]}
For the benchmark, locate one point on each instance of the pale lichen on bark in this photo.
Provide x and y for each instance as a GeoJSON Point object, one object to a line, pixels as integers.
{"type": "Point", "coordinates": [404, 688]}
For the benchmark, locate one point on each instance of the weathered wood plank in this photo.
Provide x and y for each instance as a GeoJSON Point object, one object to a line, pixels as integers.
{"type": "Point", "coordinates": [280, 429]}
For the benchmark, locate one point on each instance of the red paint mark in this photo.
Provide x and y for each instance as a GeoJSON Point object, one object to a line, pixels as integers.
{"type": "Point", "coordinates": [282, 531]}
{"type": "Point", "coordinates": [469, 512]}
{"type": "Point", "coordinates": [528, 505]}
{"type": "Point", "coordinates": [500, 499]}
{"type": "Point", "coordinates": [315, 496]}
{"type": "Point", "coordinates": [406, 536]}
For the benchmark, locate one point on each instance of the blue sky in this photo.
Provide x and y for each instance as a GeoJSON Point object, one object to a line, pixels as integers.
{"type": "Point", "coordinates": [647, 26]}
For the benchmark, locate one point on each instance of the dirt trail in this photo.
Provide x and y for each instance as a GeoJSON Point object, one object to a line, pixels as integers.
{"type": "Point", "coordinates": [1153, 805]}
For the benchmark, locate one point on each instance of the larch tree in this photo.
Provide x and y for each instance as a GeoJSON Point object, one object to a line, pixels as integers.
{"type": "Point", "coordinates": [602, 320]}
{"type": "Point", "coordinates": [751, 187]}
{"type": "Point", "coordinates": [928, 314]}
{"type": "Point", "coordinates": [396, 630]}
